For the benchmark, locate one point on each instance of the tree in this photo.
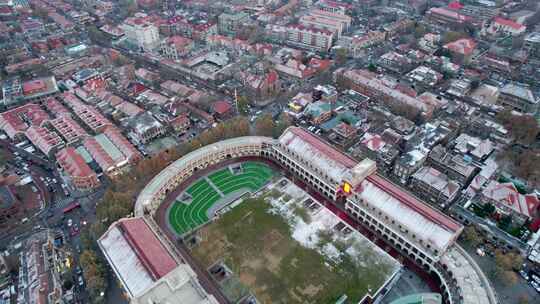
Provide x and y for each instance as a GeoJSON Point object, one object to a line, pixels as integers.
{"type": "Point", "coordinates": [509, 278]}
{"type": "Point", "coordinates": [94, 273]}
{"type": "Point", "coordinates": [264, 125]}
{"type": "Point", "coordinates": [283, 123]}
{"type": "Point", "coordinates": [451, 36]}
{"type": "Point", "coordinates": [372, 67]}
{"type": "Point", "coordinates": [471, 236]}
{"type": "Point", "coordinates": [341, 55]}
{"type": "Point", "coordinates": [523, 127]}
{"type": "Point", "coordinates": [242, 104]}
{"type": "Point", "coordinates": [419, 30]}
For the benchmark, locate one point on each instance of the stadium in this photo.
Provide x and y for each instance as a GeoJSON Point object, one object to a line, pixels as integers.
{"type": "Point", "coordinates": [267, 191]}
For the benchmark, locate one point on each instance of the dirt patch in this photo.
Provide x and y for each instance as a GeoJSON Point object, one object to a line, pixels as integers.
{"type": "Point", "coordinates": [273, 262]}
{"type": "Point", "coordinates": [271, 239]}
{"type": "Point", "coordinates": [311, 290]}
{"type": "Point", "coordinates": [247, 278]}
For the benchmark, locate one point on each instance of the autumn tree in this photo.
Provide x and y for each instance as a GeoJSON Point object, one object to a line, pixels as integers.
{"type": "Point", "coordinates": [94, 273]}
{"type": "Point", "coordinates": [451, 36]}
{"type": "Point", "coordinates": [264, 125]}
{"type": "Point", "coordinates": [283, 123]}
{"type": "Point", "coordinates": [471, 236]}
{"type": "Point", "coordinates": [523, 128]}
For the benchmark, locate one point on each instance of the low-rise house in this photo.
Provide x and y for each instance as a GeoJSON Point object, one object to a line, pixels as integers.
{"type": "Point", "coordinates": [505, 27]}
{"type": "Point", "coordinates": [176, 47]}
{"type": "Point", "coordinates": [424, 77]}
{"type": "Point", "coordinates": [519, 97]}
{"type": "Point", "coordinates": [395, 62]}
{"type": "Point", "coordinates": [222, 109]}
{"type": "Point", "coordinates": [180, 124]}
{"type": "Point", "coordinates": [461, 49]}
{"type": "Point", "coordinates": [478, 149]}
{"type": "Point", "coordinates": [508, 201]}
{"type": "Point", "coordinates": [45, 140]}
{"type": "Point", "coordinates": [75, 167]}
{"type": "Point", "coordinates": [146, 127]}
{"type": "Point", "coordinates": [435, 187]}
{"type": "Point", "coordinates": [454, 166]}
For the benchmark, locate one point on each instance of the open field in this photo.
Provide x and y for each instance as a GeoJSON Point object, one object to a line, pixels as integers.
{"type": "Point", "coordinates": [286, 248]}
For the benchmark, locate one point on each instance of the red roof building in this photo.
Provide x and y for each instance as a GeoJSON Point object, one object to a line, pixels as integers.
{"type": "Point", "coordinates": [222, 108]}
{"type": "Point", "coordinates": [44, 139]}
{"type": "Point", "coordinates": [137, 255]}
{"type": "Point", "coordinates": [508, 200]}
{"type": "Point", "coordinates": [116, 137]}
{"type": "Point", "coordinates": [462, 47]}
{"type": "Point", "coordinates": [73, 164]}
{"type": "Point", "coordinates": [15, 122]}
{"type": "Point", "coordinates": [504, 26]}
{"type": "Point", "coordinates": [68, 128]}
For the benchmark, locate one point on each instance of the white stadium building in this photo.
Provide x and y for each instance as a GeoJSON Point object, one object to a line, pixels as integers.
{"type": "Point", "coordinates": [418, 232]}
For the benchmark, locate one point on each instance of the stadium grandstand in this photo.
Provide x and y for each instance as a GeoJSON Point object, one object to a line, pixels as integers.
{"type": "Point", "coordinates": [419, 233]}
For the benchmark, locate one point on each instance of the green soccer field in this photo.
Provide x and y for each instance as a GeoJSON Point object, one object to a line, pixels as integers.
{"type": "Point", "coordinates": [184, 217]}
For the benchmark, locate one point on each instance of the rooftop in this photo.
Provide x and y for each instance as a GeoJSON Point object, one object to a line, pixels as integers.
{"type": "Point", "coordinates": [136, 254]}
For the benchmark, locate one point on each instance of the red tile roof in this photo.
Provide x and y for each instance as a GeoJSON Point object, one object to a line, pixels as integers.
{"type": "Point", "coordinates": [463, 46]}
{"type": "Point", "coordinates": [509, 23]}
{"type": "Point", "coordinates": [73, 163]}
{"type": "Point", "coordinates": [154, 256]}
{"type": "Point", "coordinates": [221, 107]}
{"type": "Point", "coordinates": [30, 87]}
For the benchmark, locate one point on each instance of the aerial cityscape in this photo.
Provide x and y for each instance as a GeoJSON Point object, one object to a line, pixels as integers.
{"type": "Point", "coordinates": [270, 151]}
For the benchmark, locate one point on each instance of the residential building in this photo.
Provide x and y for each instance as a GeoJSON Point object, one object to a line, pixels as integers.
{"type": "Point", "coordinates": [145, 127]}
{"type": "Point", "coordinates": [453, 165]}
{"type": "Point", "coordinates": [68, 129]}
{"type": "Point", "coordinates": [141, 32]}
{"type": "Point", "coordinates": [45, 140]}
{"type": "Point", "coordinates": [435, 187]}
{"type": "Point", "coordinates": [80, 174]}
{"type": "Point", "coordinates": [176, 47]}
{"type": "Point", "coordinates": [260, 84]}
{"type": "Point", "coordinates": [230, 23]}
{"type": "Point", "coordinates": [111, 150]}
{"type": "Point", "coordinates": [15, 91]}
{"type": "Point", "coordinates": [295, 68]}
{"type": "Point", "coordinates": [16, 121]}
{"type": "Point", "coordinates": [222, 109]}
{"type": "Point", "coordinates": [357, 46]}
{"type": "Point", "coordinates": [476, 148]}
{"type": "Point", "coordinates": [508, 201]}
{"type": "Point", "coordinates": [461, 49]}
{"type": "Point", "coordinates": [519, 97]}
{"type": "Point", "coordinates": [447, 17]}
{"type": "Point", "coordinates": [424, 77]}
{"type": "Point", "coordinates": [531, 43]}
{"type": "Point", "coordinates": [309, 37]}
{"type": "Point", "coordinates": [333, 6]}
{"type": "Point", "coordinates": [371, 85]}
{"type": "Point", "coordinates": [395, 62]}
{"type": "Point", "coordinates": [335, 23]}
{"type": "Point", "coordinates": [505, 27]}
{"type": "Point", "coordinates": [180, 123]}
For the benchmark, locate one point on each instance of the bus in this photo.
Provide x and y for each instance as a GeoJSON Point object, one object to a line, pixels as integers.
{"type": "Point", "coordinates": [71, 207]}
